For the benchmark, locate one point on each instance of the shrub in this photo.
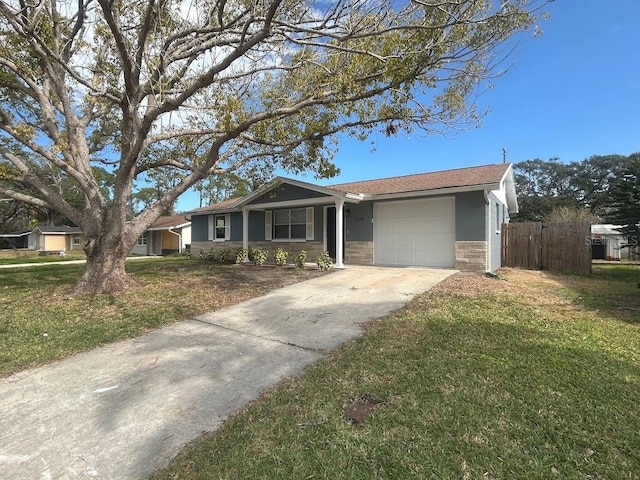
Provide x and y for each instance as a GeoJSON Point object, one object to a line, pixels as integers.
{"type": "Point", "coordinates": [223, 255]}
{"type": "Point", "coordinates": [259, 255]}
{"type": "Point", "coordinates": [324, 261]}
{"type": "Point", "coordinates": [301, 259]}
{"type": "Point", "coordinates": [241, 254]}
{"type": "Point", "coordinates": [280, 256]}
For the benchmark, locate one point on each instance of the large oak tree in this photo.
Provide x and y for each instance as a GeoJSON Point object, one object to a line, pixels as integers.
{"type": "Point", "coordinates": [203, 87]}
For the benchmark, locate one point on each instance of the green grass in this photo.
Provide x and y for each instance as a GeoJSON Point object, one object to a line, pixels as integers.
{"type": "Point", "coordinates": [537, 377]}
{"type": "Point", "coordinates": [44, 259]}
{"type": "Point", "coordinates": [38, 324]}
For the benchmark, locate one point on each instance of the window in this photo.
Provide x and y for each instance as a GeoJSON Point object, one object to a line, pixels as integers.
{"type": "Point", "coordinates": [497, 216]}
{"type": "Point", "coordinates": [219, 228]}
{"type": "Point", "coordinates": [290, 224]}
{"type": "Point", "coordinates": [142, 240]}
{"type": "Point", "coordinates": [76, 240]}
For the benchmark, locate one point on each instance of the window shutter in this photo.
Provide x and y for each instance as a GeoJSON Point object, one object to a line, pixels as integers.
{"type": "Point", "coordinates": [211, 227]}
{"type": "Point", "coordinates": [309, 223]}
{"type": "Point", "coordinates": [267, 224]}
{"type": "Point", "coordinates": [227, 226]}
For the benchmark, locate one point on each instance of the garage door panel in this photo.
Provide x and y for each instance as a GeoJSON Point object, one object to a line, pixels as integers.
{"type": "Point", "coordinates": [404, 257]}
{"type": "Point", "coordinates": [386, 241]}
{"type": "Point", "coordinates": [387, 257]}
{"type": "Point", "coordinates": [422, 242]}
{"type": "Point", "coordinates": [404, 242]}
{"type": "Point", "coordinates": [420, 233]}
{"type": "Point", "coordinates": [404, 224]}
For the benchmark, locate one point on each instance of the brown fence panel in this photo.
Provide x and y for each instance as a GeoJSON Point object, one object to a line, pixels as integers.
{"type": "Point", "coordinates": [521, 245]}
{"type": "Point", "coordinates": [553, 246]}
{"type": "Point", "coordinates": [565, 246]}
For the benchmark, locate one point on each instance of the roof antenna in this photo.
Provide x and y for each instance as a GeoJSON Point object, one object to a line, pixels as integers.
{"type": "Point", "coordinates": [504, 154]}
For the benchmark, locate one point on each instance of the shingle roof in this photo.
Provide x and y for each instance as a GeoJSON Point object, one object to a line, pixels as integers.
{"type": "Point", "coordinates": [170, 221]}
{"type": "Point", "coordinates": [462, 177]}
{"type": "Point", "coordinates": [216, 206]}
{"type": "Point", "coordinates": [58, 229]}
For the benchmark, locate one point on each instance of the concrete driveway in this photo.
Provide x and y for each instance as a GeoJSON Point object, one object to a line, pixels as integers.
{"type": "Point", "coordinates": [124, 410]}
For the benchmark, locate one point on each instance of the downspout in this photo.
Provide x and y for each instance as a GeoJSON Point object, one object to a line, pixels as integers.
{"type": "Point", "coordinates": [179, 235]}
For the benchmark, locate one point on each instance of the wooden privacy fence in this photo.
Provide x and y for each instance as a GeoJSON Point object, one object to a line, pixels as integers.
{"type": "Point", "coordinates": [552, 246]}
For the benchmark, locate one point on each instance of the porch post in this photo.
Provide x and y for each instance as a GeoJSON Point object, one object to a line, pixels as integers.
{"type": "Point", "coordinates": [245, 231]}
{"type": "Point", "coordinates": [339, 235]}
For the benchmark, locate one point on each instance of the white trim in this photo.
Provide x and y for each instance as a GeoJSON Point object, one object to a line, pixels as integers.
{"type": "Point", "coordinates": [309, 230]}
{"type": "Point", "coordinates": [227, 226]}
{"type": "Point", "coordinates": [430, 193]}
{"type": "Point", "coordinates": [210, 229]}
{"type": "Point", "coordinates": [171, 227]}
{"type": "Point", "coordinates": [268, 225]}
{"type": "Point", "coordinates": [288, 240]}
{"type": "Point", "coordinates": [304, 202]}
{"type": "Point", "coordinates": [488, 229]}
{"type": "Point", "coordinates": [245, 232]}
{"type": "Point", "coordinates": [339, 234]}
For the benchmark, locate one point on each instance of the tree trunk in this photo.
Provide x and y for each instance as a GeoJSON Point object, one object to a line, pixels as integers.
{"type": "Point", "coordinates": [104, 271]}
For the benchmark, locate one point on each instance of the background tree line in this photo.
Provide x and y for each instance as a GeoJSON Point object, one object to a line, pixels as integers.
{"type": "Point", "coordinates": [601, 189]}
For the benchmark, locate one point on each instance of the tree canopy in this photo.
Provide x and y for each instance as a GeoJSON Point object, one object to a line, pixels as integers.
{"type": "Point", "coordinates": [625, 200]}
{"type": "Point", "coordinates": [206, 87]}
{"type": "Point", "coordinates": [552, 189]}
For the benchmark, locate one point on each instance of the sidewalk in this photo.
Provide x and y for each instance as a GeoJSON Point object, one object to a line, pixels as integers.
{"type": "Point", "coordinates": [60, 262]}
{"type": "Point", "coordinates": [126, 409]}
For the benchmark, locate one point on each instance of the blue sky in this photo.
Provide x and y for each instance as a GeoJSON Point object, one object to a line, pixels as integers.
{"type": "Point", "coordinates": [571, 93]}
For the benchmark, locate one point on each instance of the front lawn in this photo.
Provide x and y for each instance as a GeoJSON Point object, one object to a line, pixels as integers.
{"type": "Point", "coordinates": [535, 377]}
{"type": "Point", "coordinates": [39, 325]}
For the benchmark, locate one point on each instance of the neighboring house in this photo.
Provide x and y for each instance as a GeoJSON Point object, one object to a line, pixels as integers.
{"type": "Point", "coordinates": [56, 238]}
{"type": "Point", "coordinates": [22, 240]}
{"type": "Point", "coordinates": [607, 243]}
{"type": "Point", "coordinates": [447, 219]}
{"type": "Point", "coordinates": [170, 234]}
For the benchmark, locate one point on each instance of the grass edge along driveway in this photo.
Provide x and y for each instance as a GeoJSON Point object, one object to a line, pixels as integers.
{"type": "Point", "coordinates": [536, 377]}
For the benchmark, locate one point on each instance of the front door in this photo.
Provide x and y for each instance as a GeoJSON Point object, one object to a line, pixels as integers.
{"type": "Point", "coordinates": [330, 228]}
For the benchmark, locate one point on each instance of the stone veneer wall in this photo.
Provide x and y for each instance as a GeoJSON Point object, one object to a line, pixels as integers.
{"type": "Point", "coordinates": [358, 253]}
{"type": "Point", "coordinates": [471, 256]}
{"type": "Point", "coordinates": [314, 249]}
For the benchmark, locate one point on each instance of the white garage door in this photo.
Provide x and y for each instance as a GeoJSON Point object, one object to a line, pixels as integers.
{"type": "Point", "coordinates": [417, 232]}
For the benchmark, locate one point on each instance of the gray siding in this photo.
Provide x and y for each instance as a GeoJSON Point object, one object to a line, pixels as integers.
{"type": "Point", "coordinates": [470, 216]}
{"type": "Point", "coordinates": [359, 223]}
{"type": "Point", "coordinates": [286, 192]}
{"type": "Point", "coordinates": [199, 228]}
{"type": "Point", "coordinates": [236, 226]}
{"type": "Point", "coordinates": [256, 227]}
